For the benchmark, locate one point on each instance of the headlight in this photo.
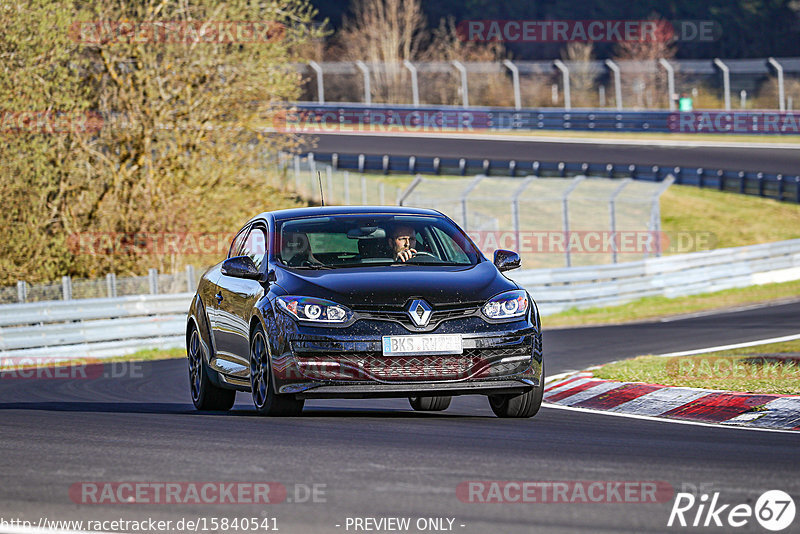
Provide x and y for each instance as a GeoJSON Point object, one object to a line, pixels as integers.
{"type": "Point", "coordinates": [507, 305]}
{"type": "Point", "coordinates": [314, 310]}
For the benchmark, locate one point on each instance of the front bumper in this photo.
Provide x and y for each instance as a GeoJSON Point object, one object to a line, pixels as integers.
{"type": "Point", "coordinates": [332, 363]}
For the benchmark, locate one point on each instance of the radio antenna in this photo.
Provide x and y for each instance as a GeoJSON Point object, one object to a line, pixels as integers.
{"type": "Point", "coordinates": [319, 178]}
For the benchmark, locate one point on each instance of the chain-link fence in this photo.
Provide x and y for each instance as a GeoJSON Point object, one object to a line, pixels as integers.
{"type": "Point", "coordinates": [551, 222]}
{"type": "Point", "coordinates": [767, 83]}
{"type": "Point", "coordinates": [108, 287]}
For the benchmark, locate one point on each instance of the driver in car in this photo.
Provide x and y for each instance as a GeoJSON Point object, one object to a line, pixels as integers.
{"type": "Point", "coordinates": [402, 240]}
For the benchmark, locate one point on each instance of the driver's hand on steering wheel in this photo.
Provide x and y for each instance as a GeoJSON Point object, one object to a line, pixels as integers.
{"type": "Point", "coordinates": [405, 254]}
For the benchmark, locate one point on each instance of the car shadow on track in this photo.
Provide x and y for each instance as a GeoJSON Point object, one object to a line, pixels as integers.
{"type": "Point", "coordinates": [187, 409]}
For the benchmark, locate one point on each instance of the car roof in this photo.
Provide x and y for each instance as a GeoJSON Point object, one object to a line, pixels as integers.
{"type": "Point", "coordinates": [344, 210]}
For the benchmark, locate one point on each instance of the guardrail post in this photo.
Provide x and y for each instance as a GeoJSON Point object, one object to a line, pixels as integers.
{"type": "Point", "coordinates": [414, 86]}
{"type": "Point", "coordinates": [385, 164]}
{"type": "Point", "coordinates": [535, 168]}
{"type": "Point", "coordinates": [437, 165]}
{"type": "Point", "coordinates": [797, 189]}
{"type": "Point", "coordinates": [781, 89]}
{"type": "Point", "coordinates": [780, 187]}
{"type": "Point", "coordinates": [66, 287]}
{"type": "Point", "coordinates": [464, 196]}
{"type": "Point", "coordinates": [700, 177]}
{"type": "Point", "coordinates": [515, 79]}
{"type": "Point", "coordinates": [367, 90]}
{"type": "Point", "coordinates": [632, 171]}
{"type": "Point", "coordinates": [191, 283]}
{"type": "Point", "coordinates": [742, 182]}
{"type": "Point", "coordinates": [612, 214]}
{"type": "Point", "coordinates": [346, 188]}
{"type": "Point", "coordinates": [320, 85]}
{"type": "Point", "coordinates": [760, 177]}
{"type": "Point", "coordinates": [656, 172]}
{"type": "Point", "coordinates": [152, 275]}
{"type": "Point", "coordinates": [512, 168]}
{"type": "Point", "coordinates": [464, 86]}
{"type": "Point", "coordinates": [617, 82]}
{"type": "Point", "coordinates": [726, 81]}
{"type": "Point", "coordinates": [721, 180]}
{"type": "Point", "coordinates": [335, 160]}
{"type": "Point", "coordinates": [111, 285]}
{"type": "Point", "coordinates": [565, 216]}
{"type": "Point", "coordinates": [560, 65]}
{"type": "Point", "coordinates": [562, 169]}
{"type": "Point", "coordinates": [22, 291]}
{"type": "Point", "coordinates": [412, 164]}
{"type": "Point", "coordinates": [462, 166]}
{"type": "Point", "coordinates": [678, 173]}
{"type": "Point", "coordinates": [361, 162]}
{"type": "Point", "coordinates": [610, 170]}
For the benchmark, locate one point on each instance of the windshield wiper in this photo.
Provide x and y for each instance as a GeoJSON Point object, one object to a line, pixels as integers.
{"type": "Point", "coordinates": [313, 267]}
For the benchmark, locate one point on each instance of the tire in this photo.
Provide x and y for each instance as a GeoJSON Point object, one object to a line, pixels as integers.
{"type": "Point", "coordinates": [430, 404]}
{"type": "Point", "coordinates": [266, 401]}
{"type": "Point", "coordinates": [205, 394]}
{"type": "Point", "coordinates": [523, 405]}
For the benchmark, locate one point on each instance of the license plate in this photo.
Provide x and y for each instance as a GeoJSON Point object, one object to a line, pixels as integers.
{"type": "Point", "coordinates": [434, 344]}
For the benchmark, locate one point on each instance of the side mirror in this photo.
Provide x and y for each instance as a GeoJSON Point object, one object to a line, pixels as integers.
{"type": "Point", "coordinates": [240, 267]}
{"type": "Point", "coordinates": [505, 260]}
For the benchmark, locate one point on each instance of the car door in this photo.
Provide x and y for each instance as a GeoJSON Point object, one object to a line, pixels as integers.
{"type": "Point", "coordinates": [235, 301]}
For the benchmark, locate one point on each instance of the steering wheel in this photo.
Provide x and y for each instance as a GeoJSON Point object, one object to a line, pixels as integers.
{"type": "Point", "coordinates": [423, 253]}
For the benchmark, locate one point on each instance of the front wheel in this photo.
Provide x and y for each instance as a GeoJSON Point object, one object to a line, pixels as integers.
{"type": "Point", "coordinates": [266, 401]}
{"type": "Point", "coordinates": [430, 404]}
{"type": "Point", "coordinates": [205, 395]}
{"type": "Point", "coordinates": [519, 406]}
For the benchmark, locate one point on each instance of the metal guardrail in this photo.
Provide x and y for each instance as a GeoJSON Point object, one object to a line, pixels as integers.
{"type": "Point", "coordinates": [92, 328]}
{"type": "Point", "coordinates": [557, 290]}
{"type": "Point", "coordinates": [109, 327]}
{"type": "Point", "coordinates": [781, 187]}
{"type": "Point", "coordinates": [321, 118]}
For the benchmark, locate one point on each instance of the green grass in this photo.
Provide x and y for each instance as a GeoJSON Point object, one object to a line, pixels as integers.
{"type": "Point", "coordinates": [728, 219]}
{"type": "Point", "coordinates": [657, 307]}
{"type": "Point", "coordinates": [138, 356]}
{"type": "Point", "coordinates": [773, 368]}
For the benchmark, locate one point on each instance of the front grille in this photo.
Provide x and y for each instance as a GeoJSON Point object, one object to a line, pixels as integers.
{"type": "Point", "coordinates": [439, 314]}
{"type": "Point", "coordinates": [373, 365]}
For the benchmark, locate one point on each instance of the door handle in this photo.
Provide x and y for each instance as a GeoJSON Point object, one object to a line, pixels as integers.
{"type": "Point", "coordinates": [218, 296]}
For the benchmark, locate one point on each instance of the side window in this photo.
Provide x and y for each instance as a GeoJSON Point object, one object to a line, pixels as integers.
{"type": "Point", "coordinates": [255, 246]}
{"type": "Point", "coordinates": [238, 242]}
{"type": "Point", "coordinates": [452, 250]}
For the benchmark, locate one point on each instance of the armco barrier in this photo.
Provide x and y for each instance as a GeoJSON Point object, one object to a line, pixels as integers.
{"type": "Point", "coordinates": [312, 118]}
{"type": "Point", "coordinates": [108, 327]}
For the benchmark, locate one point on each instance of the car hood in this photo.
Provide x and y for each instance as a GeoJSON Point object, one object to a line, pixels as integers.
{"type": "Point", "coordinates": [395, 285]}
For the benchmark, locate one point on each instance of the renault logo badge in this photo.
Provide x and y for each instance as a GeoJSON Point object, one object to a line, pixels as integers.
{"type": "Point", "coordinates": [420, 312]}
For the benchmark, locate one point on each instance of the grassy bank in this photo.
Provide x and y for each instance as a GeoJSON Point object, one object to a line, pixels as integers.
{"type": "Point", "coordinates": [773, 368]}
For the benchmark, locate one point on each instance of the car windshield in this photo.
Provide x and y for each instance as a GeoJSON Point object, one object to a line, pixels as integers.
{"type": "Point", "coordinates": [372, 240]}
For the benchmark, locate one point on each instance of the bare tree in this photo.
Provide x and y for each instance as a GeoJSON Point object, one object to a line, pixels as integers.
{"type": "Point", "coordinates": [646, 79]}
{"type": "Point", "coordinates": [384, 32]}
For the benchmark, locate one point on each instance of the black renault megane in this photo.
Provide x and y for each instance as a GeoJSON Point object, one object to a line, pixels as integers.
{"type": "Point", "coordinates": [361, 302]}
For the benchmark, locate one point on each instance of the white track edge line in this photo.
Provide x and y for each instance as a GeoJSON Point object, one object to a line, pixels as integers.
{"type": "Point", "coordinates": [730, 347]}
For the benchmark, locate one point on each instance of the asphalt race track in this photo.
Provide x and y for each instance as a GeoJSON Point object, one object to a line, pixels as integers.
{"type": "Point", "coordinates": [744, 157]}
{"type": "Point", "coordinates": [380, 459]}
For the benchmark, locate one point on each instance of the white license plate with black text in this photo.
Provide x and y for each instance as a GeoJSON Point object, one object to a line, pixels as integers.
{"type": "Point", "coordinates": [433, 344]}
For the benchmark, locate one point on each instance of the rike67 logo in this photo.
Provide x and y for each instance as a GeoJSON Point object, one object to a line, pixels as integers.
{"type": "Point", "coordinates": [774, 510]}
